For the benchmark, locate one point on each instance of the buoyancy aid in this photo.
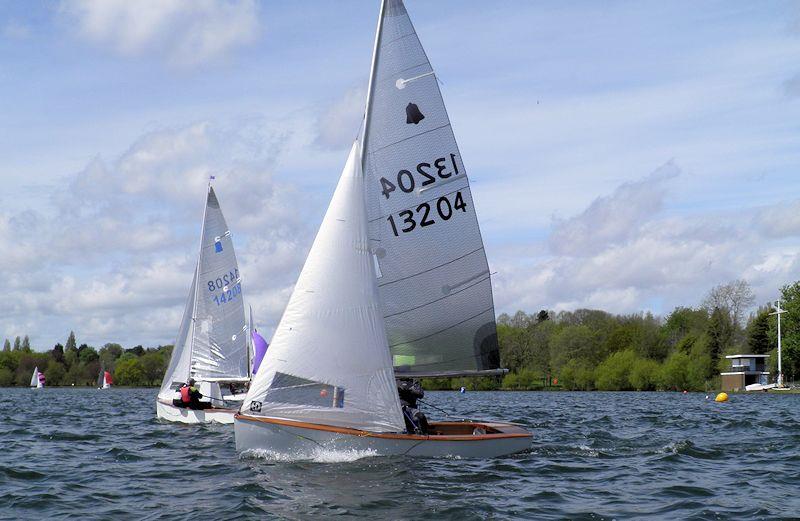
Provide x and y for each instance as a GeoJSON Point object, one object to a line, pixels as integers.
{"type": "Point", "coordinates": [185, 398]}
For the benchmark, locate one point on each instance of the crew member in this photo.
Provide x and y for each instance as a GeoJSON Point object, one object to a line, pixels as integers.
{"type": "Point", "coordinates": [410, 391]}
{"type": "Point", "coordinates": [190, 397]}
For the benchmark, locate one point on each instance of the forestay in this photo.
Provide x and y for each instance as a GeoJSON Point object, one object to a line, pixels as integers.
{"type": "Point", "coordinates": [329, 361]}
{"type": "Point", "coordinates": [212, 340]}
{"type": "Point", "coordinates": [433, 274]}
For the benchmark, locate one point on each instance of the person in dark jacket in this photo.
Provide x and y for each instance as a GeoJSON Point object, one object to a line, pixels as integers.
{"type": "Point", "coordinates": [410, 391]}
{"type": "Point", "coordinates": [190, 397]}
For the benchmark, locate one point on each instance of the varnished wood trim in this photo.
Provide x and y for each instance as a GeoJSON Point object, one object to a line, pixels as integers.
{"type": "Point", "coordinates": [507, 430]}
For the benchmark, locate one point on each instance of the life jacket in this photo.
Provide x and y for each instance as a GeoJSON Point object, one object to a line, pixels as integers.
{"type": "Point", "coordinates": [185, 394]}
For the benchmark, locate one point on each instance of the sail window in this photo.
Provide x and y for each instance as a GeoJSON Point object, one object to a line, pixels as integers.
{"type": "Point", "coordinates": [286, 388]}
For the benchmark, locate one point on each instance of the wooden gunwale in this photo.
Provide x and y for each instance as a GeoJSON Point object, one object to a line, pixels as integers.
{"type": "Point", "coordinates": [508, 431]}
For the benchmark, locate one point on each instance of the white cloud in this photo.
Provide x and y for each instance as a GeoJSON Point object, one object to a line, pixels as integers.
{"type": "Point", "coordinates": [340, 121]}
{"type": "Point", "coordinates": [625, 254]}
{"type": "Point", "coordinates": [112, 255]}
{"type": "Point", "coordinates": [187, 32]}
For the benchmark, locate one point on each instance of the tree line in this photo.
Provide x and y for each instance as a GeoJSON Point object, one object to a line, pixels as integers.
{"type": "Point", "coordinates": [589, 349]}
{"type": "Point", "coordinates": [80, 365]}
{"type": "Point", "coordinates": [585, 349]}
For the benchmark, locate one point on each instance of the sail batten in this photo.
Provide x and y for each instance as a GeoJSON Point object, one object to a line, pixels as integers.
{"type": "Point", "coordinates": [424, 231]}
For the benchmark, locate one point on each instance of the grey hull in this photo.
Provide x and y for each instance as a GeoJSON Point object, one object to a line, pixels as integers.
{"type": "Point", "coordinates": [304, 441]}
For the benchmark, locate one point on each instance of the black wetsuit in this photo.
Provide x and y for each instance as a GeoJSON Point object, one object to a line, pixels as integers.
{"type": "Point", "coordinates": [411, 391]}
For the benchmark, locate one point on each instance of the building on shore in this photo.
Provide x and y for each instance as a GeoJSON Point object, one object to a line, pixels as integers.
{"type": "Point", "coordinates": [745, 370]}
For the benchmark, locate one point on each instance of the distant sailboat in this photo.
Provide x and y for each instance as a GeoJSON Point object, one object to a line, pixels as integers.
{"type": "Point", "coordinates": [104, 380]}
{"type": "Point", "coordinates": [212, 345]}
{"type": "Point", "coordinates": [37, 379]}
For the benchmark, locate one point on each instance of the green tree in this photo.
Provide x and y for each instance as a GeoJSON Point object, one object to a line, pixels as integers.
{"type": "Point", "coordinates": [129, 372]}
{"type": "Point", "coordinates": [6, 346]}
{"type": "Point", "coordinates": [644, 375]}
{"type": "Point", "coordinates": [153, 367]}
{"type": "Point", "coordinates": [790, 330]}
{"type": "Point", "coordinates": [55, 373]}
{"type": "Point", "coordinates": [613, 374]}
{"type": "Point", "coordinates": [6, 377]}
{"type": "Point", "coordinates": [758, 333]}
{"type": "Point", "coordinates": [17, 344]}
{"type": "Point", "coordinates": [674, 372]}
{"type": "Point", "coordinates": [720, 336]}
{"type": "Point", "coordinates": [26, 344]}
{"type": "Point", "coordinates": [71, 343]}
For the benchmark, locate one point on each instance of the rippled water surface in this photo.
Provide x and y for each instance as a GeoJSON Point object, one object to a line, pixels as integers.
{"type": "Point", "coordinates": [90, 454]}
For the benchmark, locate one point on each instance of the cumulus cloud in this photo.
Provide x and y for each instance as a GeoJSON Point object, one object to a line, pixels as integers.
{"type": "Point", "coordinates": [612, 219]}
{"type": "Point", "coordinates": [187, 32]}
{"type": "Point", "coordinates": [625, 253]}
{"type": "Point", "coordinates": [340, 121]}
{"type": "Point", "coordinates": [112, 255]}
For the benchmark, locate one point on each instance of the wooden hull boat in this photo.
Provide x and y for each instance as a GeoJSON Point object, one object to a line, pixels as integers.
{"type": "Point", "coordinates": [448, 439]}
{"type": "Point", "coordinates": [167, 411]}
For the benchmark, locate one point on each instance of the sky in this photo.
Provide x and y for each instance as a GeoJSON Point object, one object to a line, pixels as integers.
{"type": "Point", "coordinates": [626, 156]}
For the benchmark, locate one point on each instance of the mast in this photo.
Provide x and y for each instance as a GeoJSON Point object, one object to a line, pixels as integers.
{"type": "Point", "coordinates": [371, 86]}
{"type": "Point", "coordinates": [197, 276]}
{"type": "Point", "coordinates": [778, 311]}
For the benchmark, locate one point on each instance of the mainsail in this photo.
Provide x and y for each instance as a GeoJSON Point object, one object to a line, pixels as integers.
{"type": "Point", "coordinates": [35, 377]}
{"type": "Point", "coordinates": [212, 340]}
{"type": "Point", "coordinates": [329, 360]}
{"type": "Point", "coordinates": [433, 274]}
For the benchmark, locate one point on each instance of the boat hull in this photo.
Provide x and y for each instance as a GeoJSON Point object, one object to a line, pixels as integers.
{"type": "Point", "coordinates": [171, 413]}
{"type": "Point", "coordinates": [455, 439]}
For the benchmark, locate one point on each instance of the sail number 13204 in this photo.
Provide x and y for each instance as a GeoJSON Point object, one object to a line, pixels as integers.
{"type": "Point", "coordinates": [427, 214]}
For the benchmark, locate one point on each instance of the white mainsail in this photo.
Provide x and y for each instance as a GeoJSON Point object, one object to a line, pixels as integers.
{"type": "Point", "coordinates": [35, 377]}
{"type": "Point", "coordinates": [434, 277]}
{"type": "Point", "coordinates": [212, 339]}
{"type": "Point", "coordinates": [329, 361]}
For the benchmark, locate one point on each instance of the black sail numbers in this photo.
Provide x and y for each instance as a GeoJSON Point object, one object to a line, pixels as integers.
{"type": "Point", "coordinates": [427, 213]}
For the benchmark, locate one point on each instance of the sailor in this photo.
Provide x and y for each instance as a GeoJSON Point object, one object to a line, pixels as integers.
{"type": "Point", "coordinates": [190, 397]}
{"type": "Point", "coordinates": [410, 391]}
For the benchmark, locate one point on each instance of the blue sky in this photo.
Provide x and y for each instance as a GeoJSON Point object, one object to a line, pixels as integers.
{"type": "Point", "coordinates": [627, 156]}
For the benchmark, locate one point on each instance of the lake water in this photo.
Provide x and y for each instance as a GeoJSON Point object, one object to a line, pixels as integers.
{"type": "Point", "coordinates": [90, 454]}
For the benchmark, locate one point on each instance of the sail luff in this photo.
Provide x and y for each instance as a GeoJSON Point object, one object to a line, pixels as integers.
{"type": "Point", "coordinates": [371, 86]}
{"type": "Point", "coordinates": [197, 281]}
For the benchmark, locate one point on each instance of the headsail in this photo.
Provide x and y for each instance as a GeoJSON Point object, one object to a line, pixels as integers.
{"type": "Point", "coordinates": [212, 340]}
{"type": "Point", "coordinates": [329, 361]}
{"type": "Point", "coordinates": [433, 274]}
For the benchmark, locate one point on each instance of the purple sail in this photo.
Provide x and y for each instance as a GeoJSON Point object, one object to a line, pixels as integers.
{"type": "Point", "coordinates": [260, 350]}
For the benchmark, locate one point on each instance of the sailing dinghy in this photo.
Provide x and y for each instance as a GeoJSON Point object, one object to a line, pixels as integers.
{"type": "Point", "coordinates": [104, 380]}
{"type": "Point", "coordinates": [37, 379]}
{"type": "Point", "coordinates": [212, 345]}
{"type": "Point", "coordinates": [327, 379]}
{"type": "Point", "coordinates": [396, 285]}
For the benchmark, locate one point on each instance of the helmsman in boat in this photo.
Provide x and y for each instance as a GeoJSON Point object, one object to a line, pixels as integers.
{"type": "Point", "coordinates": [410, 391]}
{"type": "Point", "coordinates": [190, 397]}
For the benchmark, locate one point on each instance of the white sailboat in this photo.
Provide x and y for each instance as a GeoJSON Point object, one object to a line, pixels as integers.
{"type": "Point", "coordinates": [37, 379]}
{"type": "Point", "coordinates": [212, 345]}
{"type": "Point", "coordinates": [396, 285]}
